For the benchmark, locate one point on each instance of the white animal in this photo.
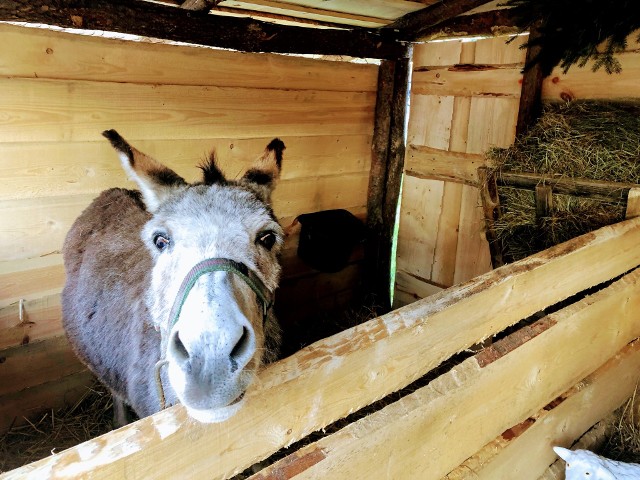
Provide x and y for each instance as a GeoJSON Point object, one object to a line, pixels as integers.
{"type": "Point", "coordinates": [585, 464]}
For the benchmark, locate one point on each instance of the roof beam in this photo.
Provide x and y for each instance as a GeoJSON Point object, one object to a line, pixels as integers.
{"type": "Point", "coordinates": [413, 26]}
{"type": "Point", "coordinates": [170, 23]}
{"type": "Point", "coordinates": [494, 22]}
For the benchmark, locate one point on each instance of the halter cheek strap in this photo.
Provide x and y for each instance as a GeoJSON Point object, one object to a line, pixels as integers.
{"type": "Point", "coordinates": [210, 265]}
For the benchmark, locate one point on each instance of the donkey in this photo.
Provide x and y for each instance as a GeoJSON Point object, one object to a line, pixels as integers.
{"type": "Point", "coordinates": [169, 289]}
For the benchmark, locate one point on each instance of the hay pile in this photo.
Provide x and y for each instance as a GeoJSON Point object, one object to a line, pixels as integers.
{"type": "Point", "coordinates": [582, 139]}
{"type": "Point", "coordinates": [58, 430]}
{"type": "Point", "coordinates": [623, 444]}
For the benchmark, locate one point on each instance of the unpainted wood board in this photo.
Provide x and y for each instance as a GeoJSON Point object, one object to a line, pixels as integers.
{"type": "Point", "coordinates": [387, 9]}
{"type": "Point", "coordinates": [24, 278]}
{"type": "Point", "coordinates": [429, 432]}
{"type": "Point", "coordinates": [310, 13]}
{"type": "Point", "coordinates": [59, 55]}
{"type": "Point", "coordinates": [56, 110]}
{"type": "Point", "coordinates": [463, 81]}
{"type": "Point", "coordinates": [337, 375]}
{"type": "Point", "coordinates": [506, 50]}
{"type": "Point", "coordinates": [524, 451]}
{"type": "Point", "coordinates": [409, 288]}
{"type": "Point", "coordinates": [492, 123]}
{"type": "Point", "coordinates": [30, 170]}
{"type": "Point", "coordinates": [417, 232]}
{"type": "Point", "coordinates": [633, 203]}
{"type": "Point", "coordinates": [446, 250]}
{"type": "Point", "coordinates": [437, 53]}
{"type": "Point", "coordinates": [445, 165]}
{"type": "Point", "coordinates": [41, 320]}
{"type": "Point", "coordinates": [583, 83]}
{"type": "Point", "coordinates": [430, 121]}
{"type": "Point", "coordinates": [62, 392]}
{"type": "Point", "coordinates": [34, 227]}
{"type": "Point", "coordinates": [473, 256]}
{"type": "Point", "coordinates": [39, 362]}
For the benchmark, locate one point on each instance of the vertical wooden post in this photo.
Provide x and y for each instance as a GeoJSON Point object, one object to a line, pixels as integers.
{"type": "Point", "coordinates": [633, 203]}
{"type": "Point", "coordinates": [531, 94]}
{"type": "Point", "coordinates": [491, 208]}
{"type": "Point", "coordinates": [544, 200]}
{"type": "Point", "coordinates": [385, 179]}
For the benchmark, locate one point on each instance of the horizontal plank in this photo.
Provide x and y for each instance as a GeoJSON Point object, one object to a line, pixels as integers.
{"type": "Point", "coordinates": [580, 187]}
{"type": "Point", "coordinates": [30, 170]}
{"type": "Point", "coordinates": [435, 428]}
{"type": "Point", "coordinates": [59, 55]}
{"type": "Point", "coordinates": [34, 227]}
{"type": "Point", "coordinates": [583, 83]}
{"type": "Point", "coordinates": [436, 164]}
{"type": "Point", "coordinates": [468, 81]}
{"type": "Point", "coordinates": [41, 320]}
{"type": "Point", "coordinates": [58, 110]}
{"type": "Point", "coordinates": [59, 393]}
{"type": "Point", "coordinates": [30, 365]}
{"type": "Point", "coordinates": [335, 376]}
{"type": "Point", "coordinates": [27, 279]}
{"type": "Point", "coordinates": [524, 451]}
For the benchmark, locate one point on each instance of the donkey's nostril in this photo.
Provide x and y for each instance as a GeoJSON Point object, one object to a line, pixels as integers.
{"type": "Point", "coordinates": [179, 350]}
{"type": "Point", "coordinates": [240, 348]}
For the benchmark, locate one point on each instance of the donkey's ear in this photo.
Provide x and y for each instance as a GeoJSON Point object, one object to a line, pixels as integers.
{"type": "Point", "coordinates": [156, 181]}
{"type": "Point", "coordinates": [262, 176]}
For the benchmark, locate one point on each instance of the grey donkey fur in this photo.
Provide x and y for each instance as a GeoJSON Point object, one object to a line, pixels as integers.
{"type": "Point", "coordinates": [125, 258]}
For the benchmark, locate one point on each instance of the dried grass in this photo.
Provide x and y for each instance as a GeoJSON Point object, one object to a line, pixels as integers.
{"type": "Point", "coordinates": [586, 139]}
{"type": "Point", "coordinates": [57, 430]}
{"type": "Point", "coordinates": [624, 442]}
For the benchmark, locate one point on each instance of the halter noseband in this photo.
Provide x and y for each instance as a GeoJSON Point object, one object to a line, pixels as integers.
{"type": "Point", "coordinates": [210, 265]}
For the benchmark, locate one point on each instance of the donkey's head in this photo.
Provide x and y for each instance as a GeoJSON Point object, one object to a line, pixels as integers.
{"type": "Point", "coordinates": [215, 247]}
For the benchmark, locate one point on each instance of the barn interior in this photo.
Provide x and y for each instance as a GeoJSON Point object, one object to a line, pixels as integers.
{"type": "Point", "coordinates": [434, 341]}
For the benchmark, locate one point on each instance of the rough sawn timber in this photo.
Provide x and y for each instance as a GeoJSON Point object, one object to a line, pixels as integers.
{"type": "Point", "coordinates": [373, 359]}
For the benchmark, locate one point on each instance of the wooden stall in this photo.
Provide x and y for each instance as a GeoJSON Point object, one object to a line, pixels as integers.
{"type": "Point", "coordinates": [397, 138]}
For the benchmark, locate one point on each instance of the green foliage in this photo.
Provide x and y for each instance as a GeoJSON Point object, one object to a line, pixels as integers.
{"type": "Point", "coordinates": [577, 31]}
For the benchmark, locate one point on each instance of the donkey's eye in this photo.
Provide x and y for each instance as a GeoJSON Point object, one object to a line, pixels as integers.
{"type": "Point", "coordinates": [266, 239]}
{"type": "Point", "coordinates": [161, 241]}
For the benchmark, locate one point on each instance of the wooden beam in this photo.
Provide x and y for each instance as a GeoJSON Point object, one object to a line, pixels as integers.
{"type": "Point", "coordinates": [176, 24]}
{"type": "Point", "coordinates": [633, 203]}
{"type": "Point", "coordinates": [445, 165]}
{"type": "Point", "coordinates": [491, 208]}
{"type": "Point", "coordinates": [434, 429]}
{"type": "Point", "coordinates": [197, 5]}
{"type": "Point", "coordinates": [494, 22]}
{"type": "Point", "coordinates": [338, 375]}
{"type": "Point", "coordinates": [524, 450]}
{"type": "Point", "coordinates": [594, 189]}
{"type": "Point", "coordinates": [412, 26]}
{"type": "Point", "coordinates": [531, 96]}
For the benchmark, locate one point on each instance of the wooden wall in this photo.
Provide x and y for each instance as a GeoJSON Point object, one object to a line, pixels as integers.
{"type": "Point", "coordinates": [465, 97]}
{"type": "Point", "coordinates": [60, 91]}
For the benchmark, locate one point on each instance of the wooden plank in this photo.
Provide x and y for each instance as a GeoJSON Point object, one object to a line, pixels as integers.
{"type": "Point", "coordinates": [410, 287]}
{"type": "Point", "coordinates": [430, 120]}
{"type": "Point", "coordinates": [498, 116]}
{"type": "Point", "coordinates": [544, 201]}
{"type": "Point", "coordinates": [583, 83]}
{"type": "Point", "coordinates": [27, 279]}
{"type": "Point", "coordinates": [579, 187]}
{"type": "Point", "coordinates": [29, 365]}
{"type": "Point", "coordinates": [445, 254]}
{"type": "Point", "coordinates": [412, 26]}
{"type": "Point", "coordinates": [492, 22]}
{"type": "Point", "coordinates": [417, 237]}
{"type": "Point", "coordinates": [79, 111]}
{"type": "Point", "coordinates": [633, 203]}
{"type": "Point", "coordinates": [26, 222]}
{"type": "Point", "coordinates": [62, 392]}
{"type": "Point", "coordinates": [33, 170]}
{"type": "Point", "coordinates": [169, 23]}
{"type": "Point", "coordinates": [41, 320]}
{"type": "Point", "coordinates": [531, 98]}
{"type": "Point", "coordinates": [445, 165]}
{"type": "Point", "coordinates": [468, 81]}
{"type": "Point", "coordinates": [376, 358]}
{"type": "Point", "coordinates": [524, 451]}
{"type": "Point", "coordinates": [437, 53]}
{"type": "Point", "coordinates": [60, 55]}
{"type": "Point", "coordinates": [435, 428]}
{"type": "Point", "coordinates": [491, 210]}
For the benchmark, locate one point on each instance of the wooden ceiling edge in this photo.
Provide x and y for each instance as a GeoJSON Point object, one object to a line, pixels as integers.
{"type": "Point", "coordinates": [413, 26]}
{"type": "Point", "coordinates": [492, 23]}
{"type": "Point", "coordinates": [162, 21]}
